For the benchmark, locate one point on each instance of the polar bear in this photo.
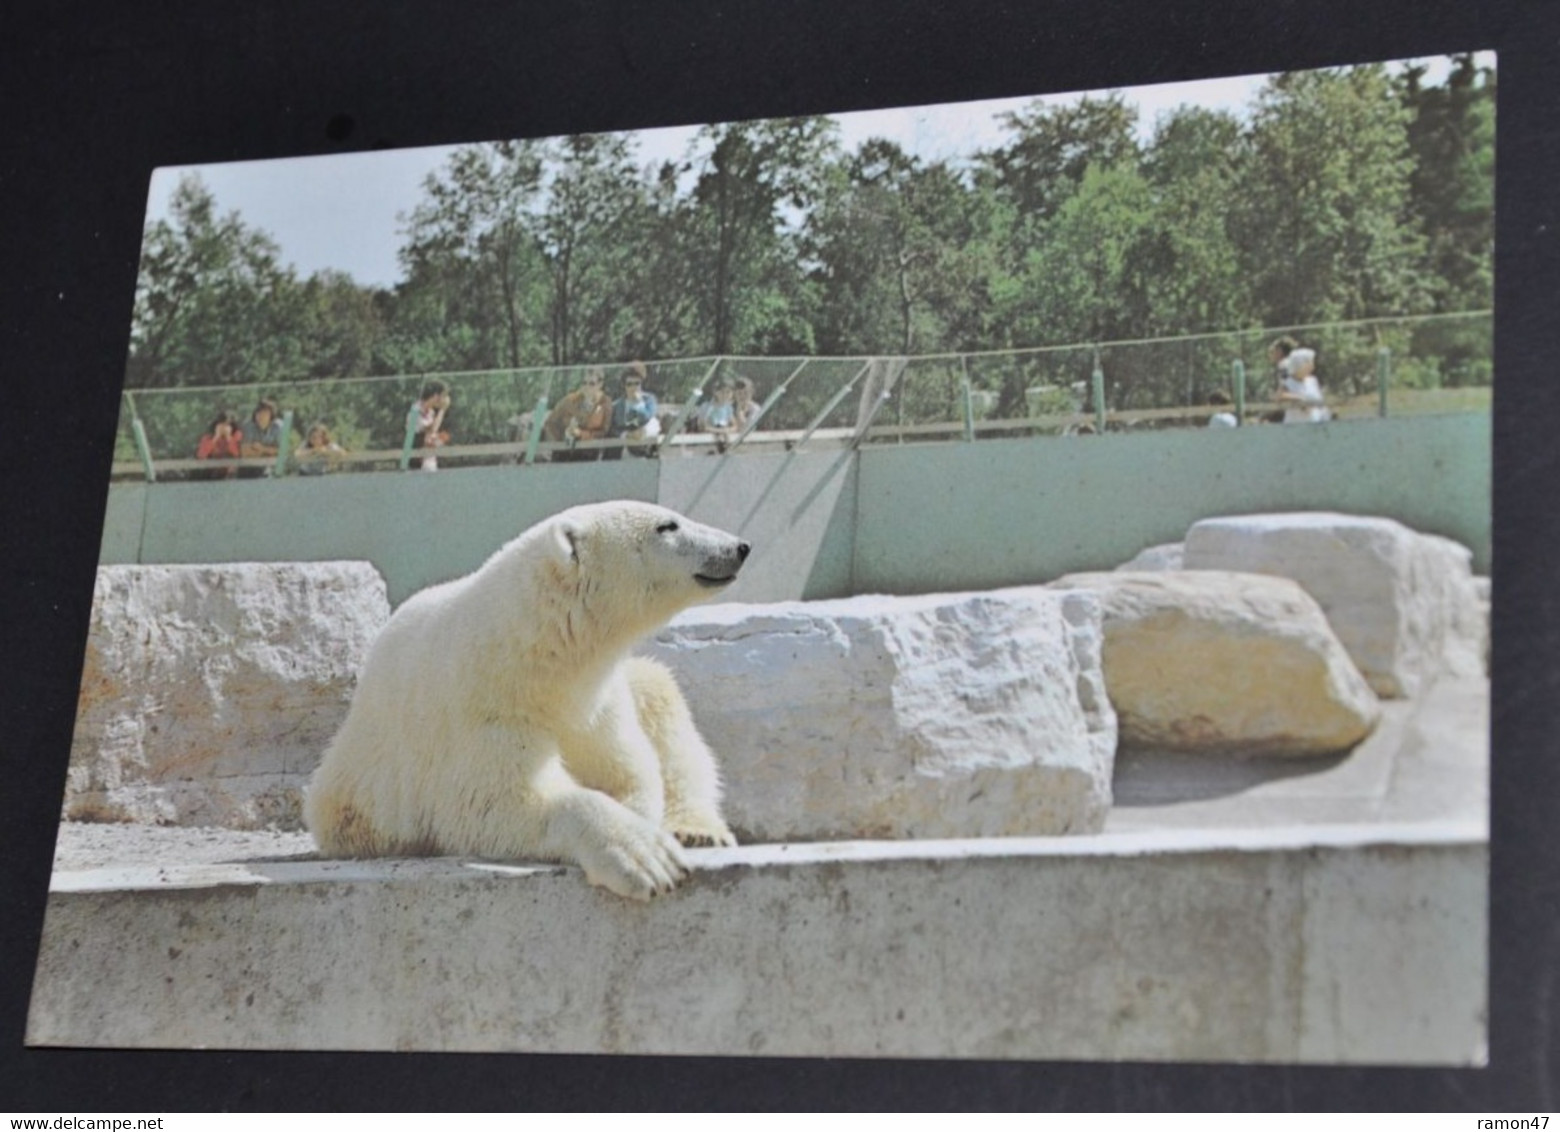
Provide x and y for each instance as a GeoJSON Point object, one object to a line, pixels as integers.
{"type": "Point", "coordinates": [500, 715]}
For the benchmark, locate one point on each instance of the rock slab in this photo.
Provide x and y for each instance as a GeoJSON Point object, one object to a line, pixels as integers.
{"type": "Point", "coordinates": [1165, 556]}
{"type": "Point", "coordinates": [1226, 663]}
{"type": "Point", "coordinates": [209, 692]}
{"type": "Point", "coordinates": [1404, 604]}
{"type": "Point", "coordinates": [951, 715]}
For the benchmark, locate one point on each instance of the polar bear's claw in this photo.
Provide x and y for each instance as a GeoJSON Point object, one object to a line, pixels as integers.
{"type": "Point", "coordinates": [705, 837]}
{"type": "Point", "coordinates": [641, 865]}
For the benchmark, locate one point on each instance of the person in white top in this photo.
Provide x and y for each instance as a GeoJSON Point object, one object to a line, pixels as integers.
{"type": "Point", "coordinates": [1298, 391]}
{"type": "Point", "coordinates": [1222, 417]}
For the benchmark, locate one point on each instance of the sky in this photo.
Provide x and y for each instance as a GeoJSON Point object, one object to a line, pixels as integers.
{"type": "Point", "coordinates": [345, 212]}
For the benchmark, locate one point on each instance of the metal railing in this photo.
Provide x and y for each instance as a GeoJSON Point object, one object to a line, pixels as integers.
{"type": "Point", "coordinates": [1371, 367]}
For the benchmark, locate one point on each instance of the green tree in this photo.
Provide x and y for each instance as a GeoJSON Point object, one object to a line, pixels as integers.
{"type": "Point", "coordinates": [1451, 135]}
{"type": "Point", "coordinates": [1054, 146]}
{"type": "Point", "coordinates": [1082, 281]}
{"type": "Point", "coordinates": [1346, 194]}
{"type": "Point", "coordinates": [860, 243]}
{"type": "Point", "coordinates": [1186, 257]}
{"type": "Point", "coordinates": [894, 253]}
{"type": "Point", "coordinates": [662, 273]}
{"type": "Point", "coordinates": [757, 184]}
{"type": "Point", "coordinates": [1078, 283]}
{"type": "Point", "coordinates": [1323, 230]}
{"type": "Point", "coordinates": [594, 198]}
{"type": "Point", "coordinates": [342, 327]}
{"type": "Point", "coordinates": [1030, 180]}
{"type": "Point", "coordinates": [212, 305]}
{"type": "Point", "coordinates": [474, 267]}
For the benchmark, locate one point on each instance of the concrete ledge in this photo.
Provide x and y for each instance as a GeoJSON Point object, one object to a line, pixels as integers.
{"type": "Point", "coordinates": [1296, 944]}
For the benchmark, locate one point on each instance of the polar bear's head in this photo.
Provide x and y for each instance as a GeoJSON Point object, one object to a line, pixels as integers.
{"type": "Point", "coordinates": [642, 562]}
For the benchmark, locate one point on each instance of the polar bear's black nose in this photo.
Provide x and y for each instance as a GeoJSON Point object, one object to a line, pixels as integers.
{"type": "Point", "coordinates": [742, 550]}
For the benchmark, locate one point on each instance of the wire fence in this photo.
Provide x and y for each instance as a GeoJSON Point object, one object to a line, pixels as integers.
{"type": "Point", "coordinates": [1429, 363]}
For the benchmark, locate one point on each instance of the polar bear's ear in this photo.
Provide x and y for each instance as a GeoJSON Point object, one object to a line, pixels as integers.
{"type": "Point", "coordinates": [566, 544]}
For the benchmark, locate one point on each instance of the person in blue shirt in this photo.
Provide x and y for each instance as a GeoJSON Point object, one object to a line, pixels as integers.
{"type": "Point", "coordinates": [634, 413]}
{"type": "Point", "coordinates": [746, 402]}
{"type": "Point", "coordinates": [718, 415]}
{"type": "Point", "coordinates": [262, 437]}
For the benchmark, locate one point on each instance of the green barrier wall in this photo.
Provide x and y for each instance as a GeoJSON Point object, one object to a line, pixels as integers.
{"type": "Point", "coordinates": [1005, 513]}
{"type": "Point", "coordinates": [892, 519]}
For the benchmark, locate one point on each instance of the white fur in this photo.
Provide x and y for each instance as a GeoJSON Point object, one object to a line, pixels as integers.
{"type": "Point", "coordinates": [499, 715]}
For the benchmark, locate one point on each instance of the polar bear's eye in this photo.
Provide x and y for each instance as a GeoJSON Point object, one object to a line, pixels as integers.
{"type": "Point", "coordinates": [667, 527]}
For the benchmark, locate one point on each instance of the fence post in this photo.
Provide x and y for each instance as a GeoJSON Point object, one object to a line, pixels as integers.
{"type": "Point", "coordinates": [1383, 378]}
{"type": "Point", "coordinates": [890, 371]}
{"type": "Point", "coordinates": [1097, 380]}
{"type": "Point", "coordinates": [411, 436]}
{"type": "Point", "coordinates": [143, 449]}
{"type": "Point", "coordinates": [969, 400]}
{"type": "Point", "coordinates": [775, 395]}
{"type": "Point", "coordinates": [840, 395]}
{"type": "Point", "coordinates": [538, 419]}
{"type": "Point", "coordinates": [1240, 391]}
{"type": "Point", "coordinates": [877, 406]}
{"type": "Point", "coordinates": [690, 406]}
{"type": "Point", "coordinates": [283, 445]}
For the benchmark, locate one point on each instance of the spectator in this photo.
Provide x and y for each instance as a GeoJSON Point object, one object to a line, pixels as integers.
{"type": "Point", "coordinates": [429, 409]}
{"type": "Point", "coordinates": [584, 414]}
{"type": "Point", "coordinates": [1298, 389]}
{"type": "Point", "coordinates": [1222, 417]}
{"type": "Point", "coordinates": [318, 453]}
{"type": "Point", "coordinates": [221, 441]}
{"type": "Point", "coordinates": [746, 402]}
{"type": "Point", "coordinates": [719, 415]}
{"type": "Point", "coordinates": [263, 438]}
{"type": "Point", "coordinates": [634, 413]}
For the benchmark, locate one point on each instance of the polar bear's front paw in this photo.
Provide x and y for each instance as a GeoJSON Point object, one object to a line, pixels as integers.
{"type": "Point", "coordinates": [702, 833]}
{"type": "Point", "coordinates": [639, 864]}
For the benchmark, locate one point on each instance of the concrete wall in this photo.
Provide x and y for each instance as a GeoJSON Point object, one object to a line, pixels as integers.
{"type": "Point", "coordinates": [898, 519]}
{"type": "Point", "coordinates": [1282, 945]}
{"type": "Point", "coordinates": [416, 528]}
{"type": "Point", "coordinates": [797, 509]}
{"type": "Point", "coordinates": [1002, 513]}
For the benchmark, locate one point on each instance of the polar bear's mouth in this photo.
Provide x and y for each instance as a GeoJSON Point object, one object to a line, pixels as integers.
{"type": "Point", "coordinates": [722, 568]}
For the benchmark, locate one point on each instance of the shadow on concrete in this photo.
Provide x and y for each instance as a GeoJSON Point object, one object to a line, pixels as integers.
{"type": "Point", "coordinates": [1159, 778]}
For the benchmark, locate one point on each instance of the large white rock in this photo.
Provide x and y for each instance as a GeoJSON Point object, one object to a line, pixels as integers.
{"type": "Point", "coordinates": [951, 715]}
{"type": "Point", "coordinates": [1403, 603]}
{"type": "Point", "coordinates": [210, 692]}
{"type": "Point", "coordinates": [1480, 614]}
{"type": "Point", "coordinates": [1165, 556]}
{"type": "Point", "coordinates": [1224, 662]}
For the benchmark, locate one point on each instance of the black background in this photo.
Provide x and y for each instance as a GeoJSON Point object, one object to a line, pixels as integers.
{"type": "Point", "coordinates": [94, 96]}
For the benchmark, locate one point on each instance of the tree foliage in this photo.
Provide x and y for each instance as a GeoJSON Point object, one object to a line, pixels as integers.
{"type": "Point", "coordinates": [757, 186]}
{"type": "Point", "coordinates": [212, 302]}
{"type": "Point", "coordinates": [1326, 216]}
{"type": "Point", "coordinates": [472, 249]}
{"type": "Point", "coordinates": [585, 234]}
{"type": "Point", "coordinates": [895, 253]}
{"type": "Point", "coordinates": [1451, 136]}
{"type": "Point", "coordinates": [1340, 195]}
